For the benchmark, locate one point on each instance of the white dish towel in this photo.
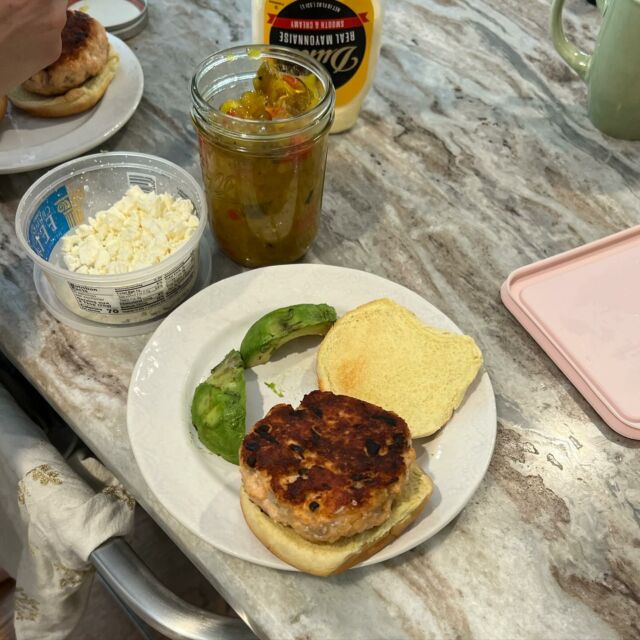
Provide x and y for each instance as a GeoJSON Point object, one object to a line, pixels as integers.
{"type": "Point", "coordinates": [51, 519]}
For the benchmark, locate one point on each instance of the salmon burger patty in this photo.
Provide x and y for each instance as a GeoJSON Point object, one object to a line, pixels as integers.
{"type": "Point", "coordinates": [330, 468]}
{"type": "Point", "coordinates": [85, 50]}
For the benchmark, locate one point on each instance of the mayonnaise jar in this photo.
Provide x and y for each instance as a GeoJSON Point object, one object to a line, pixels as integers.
{"type": "Point", "coordinates": [344, 35]}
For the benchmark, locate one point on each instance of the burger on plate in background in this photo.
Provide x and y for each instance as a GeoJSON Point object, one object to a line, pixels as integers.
{"type": "Point", "coordinates": [77, 80]}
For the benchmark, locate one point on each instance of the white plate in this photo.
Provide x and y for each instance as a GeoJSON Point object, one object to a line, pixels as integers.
{"type": "Point", "coordinates": [200, 489]}
{"type": "Point", "coordinates": [27, 142]}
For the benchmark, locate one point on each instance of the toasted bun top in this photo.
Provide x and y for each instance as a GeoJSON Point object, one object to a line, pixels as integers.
{"type": "Point", "coordinates": [382, 353]}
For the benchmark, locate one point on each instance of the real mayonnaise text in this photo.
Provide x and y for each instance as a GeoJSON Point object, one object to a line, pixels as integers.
{"type": "Point", "coordinates": [343, 35]}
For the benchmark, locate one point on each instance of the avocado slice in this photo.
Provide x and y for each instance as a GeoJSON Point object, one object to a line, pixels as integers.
{"type": "Point", "coordinates": [218, 408]}
{"type": "Point", "coordinates": [283, 325]}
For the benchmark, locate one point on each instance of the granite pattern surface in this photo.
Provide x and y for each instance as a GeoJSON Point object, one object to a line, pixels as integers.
{"type": "Point", "coordinates": [473, 156]}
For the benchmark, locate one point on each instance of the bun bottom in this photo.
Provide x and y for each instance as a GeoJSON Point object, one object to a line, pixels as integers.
{"type": "Point", "coordinates": [326, 559]}
{"type": "Point", "coordinates": [74, 101]}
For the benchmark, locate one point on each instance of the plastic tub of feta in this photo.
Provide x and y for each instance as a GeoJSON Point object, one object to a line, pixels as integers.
{"type": "Point", "coordinates": [116, 234]}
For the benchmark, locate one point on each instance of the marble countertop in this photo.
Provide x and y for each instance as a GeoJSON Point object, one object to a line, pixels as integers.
{"type": "Point", "coordinates": [473, 156]}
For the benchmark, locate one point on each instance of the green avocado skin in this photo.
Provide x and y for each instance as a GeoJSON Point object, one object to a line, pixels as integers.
{"type": "Point", "coordinates": [218, 408]}
{"type": "Point", "coordinates": [283, 325]}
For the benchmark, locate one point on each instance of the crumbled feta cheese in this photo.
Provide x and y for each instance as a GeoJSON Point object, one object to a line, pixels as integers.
{"type": "Point", "coordinates": [139, 230]}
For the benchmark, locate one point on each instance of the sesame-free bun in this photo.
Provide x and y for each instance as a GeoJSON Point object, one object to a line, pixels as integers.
{"type": "Point", "coordinates": [329, 558]}
{"type": "Point", "coordinates": [382, 353]}
{"type": "Point", "coordinates": [74, 101]}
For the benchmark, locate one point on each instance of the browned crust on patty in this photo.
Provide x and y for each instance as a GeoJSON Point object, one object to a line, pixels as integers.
{"type": "Point", "coordinates": [84, 53]}
{"type": "Point", "coordinates": [77, 31]}
{"type": "Point", "coordinates": [334, 451]}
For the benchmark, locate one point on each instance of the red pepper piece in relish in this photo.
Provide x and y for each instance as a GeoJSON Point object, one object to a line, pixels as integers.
{"type": "Point", "coordinates": [277, 95]}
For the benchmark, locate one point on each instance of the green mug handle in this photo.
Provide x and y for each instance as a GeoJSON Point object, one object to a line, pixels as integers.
{"type": "Point", "coordinates": [578, 60]}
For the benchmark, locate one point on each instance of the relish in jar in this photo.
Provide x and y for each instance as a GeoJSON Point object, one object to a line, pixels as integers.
{"type": "Point", "coordinates": [263, 149]}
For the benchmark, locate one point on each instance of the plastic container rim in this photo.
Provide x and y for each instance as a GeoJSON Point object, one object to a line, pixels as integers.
{"type": "Point", "coordinates": [123, 26]}
{"type": "Point", "coordinates": [132, 28]}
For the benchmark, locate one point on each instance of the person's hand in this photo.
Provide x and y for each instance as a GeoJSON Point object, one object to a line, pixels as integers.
{"type": "Point", "coordinates": [29, 38]}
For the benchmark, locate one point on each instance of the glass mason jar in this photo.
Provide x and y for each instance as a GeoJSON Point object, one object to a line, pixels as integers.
{"type": "Point", "coordinates": [263, 178]}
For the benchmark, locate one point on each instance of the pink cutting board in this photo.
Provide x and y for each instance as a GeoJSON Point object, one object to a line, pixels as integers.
{"type": "Point", "coordinates": [583, 308]}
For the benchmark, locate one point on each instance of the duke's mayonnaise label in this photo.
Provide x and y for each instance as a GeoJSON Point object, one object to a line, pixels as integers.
{"type": "Point", "coordinates": [342, 36]}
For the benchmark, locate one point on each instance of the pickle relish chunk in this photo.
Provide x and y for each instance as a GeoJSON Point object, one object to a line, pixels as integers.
{"type": "Point", "coordinates": [278, 93]}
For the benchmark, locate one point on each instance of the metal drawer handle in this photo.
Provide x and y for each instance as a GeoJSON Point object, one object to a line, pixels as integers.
{"type": "Point", "coordinates": [131, 581]}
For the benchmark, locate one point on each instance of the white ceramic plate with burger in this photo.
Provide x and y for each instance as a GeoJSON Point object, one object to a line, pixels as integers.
{"type": "Point", "coordinates": [201, 489]}
{"type": "Point", "coordinates": [30, 142]}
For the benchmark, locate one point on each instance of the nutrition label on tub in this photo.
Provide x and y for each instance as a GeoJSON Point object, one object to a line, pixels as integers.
{"type": "Point", "coordinates": [141, 296]}
{"type": "Point", "coordinates": [96, 299]}
{"type": "Point", "coordinates": [137, 298]}
{"type": "Point", "coordinates": [180, 276]}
